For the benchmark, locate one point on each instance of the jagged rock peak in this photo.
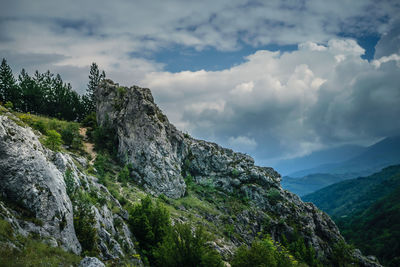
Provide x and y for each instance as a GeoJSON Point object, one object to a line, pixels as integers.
{"type": "Point", "coordinates": [160, 154]}
{"type": "Point", "coordinates": [147, 140]}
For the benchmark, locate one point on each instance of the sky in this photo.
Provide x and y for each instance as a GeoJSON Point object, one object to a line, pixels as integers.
{"type": "Point", "coordinates": [273, 79]}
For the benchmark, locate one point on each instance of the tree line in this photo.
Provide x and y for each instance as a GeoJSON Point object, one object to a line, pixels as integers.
{"type": "Point", "coordinates": [47, 94]}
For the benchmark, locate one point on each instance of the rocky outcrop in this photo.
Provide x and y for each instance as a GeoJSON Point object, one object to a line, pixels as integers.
{"type": "Point", "coordinates": [34, 197]}
{"type": "Point", "coordinates": [147, 140]}
{"type": "Point", "coordinates": [33, 184]}
{"type": "Point", "coordinates": [91, 262]}
{"type": "Point", "coordinates": [161, 156]}
{"type": "Point", "coordinates": [115, 239]}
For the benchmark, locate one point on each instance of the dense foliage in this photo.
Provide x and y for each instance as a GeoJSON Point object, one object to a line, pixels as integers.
{"type": "Point", "coordinates": [263, 253]}
{"type": "Point", "coordinates": [183, 247]}
{"type": "Point", "coordinates": [367, 211]}
{"type": "Point", "coordinates": [47, 94]}
{"type": "Point", "coordinates": [162, 244]}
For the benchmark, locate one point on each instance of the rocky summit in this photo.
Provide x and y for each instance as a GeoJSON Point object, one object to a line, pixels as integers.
{"type": "Point", "coordinates": [43, 192]}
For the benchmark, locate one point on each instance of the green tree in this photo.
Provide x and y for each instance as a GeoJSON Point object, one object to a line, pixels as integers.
{"type": "Point", "coordinates": [9, 91]}
{"type": "Point", "coordinates": [182, 247]}
{"type": "Point", "coordinates": [263, 253]}
{"type": "Point", "coordinates": [95, 77]}
{"type": "Point", "coordinates": [150, 224]}
{"type": "Point", "coordinates": [84, 221]}
{"type": "Point", "coordinates": [53, 140]}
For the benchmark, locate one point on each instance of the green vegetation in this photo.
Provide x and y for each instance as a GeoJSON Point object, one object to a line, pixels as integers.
{"type": "Point", "coordinates": [297, 247]}
{"type": "Point", "coordinates": [150, 225]}
{"type": "Point", "coordinates": [164, 245]}
{"type": "Point", "coordinates": [56, 132]}
{"type": "Point", "coordinates": [31, 251]}
{"type": "Point", "coordinates": [263, 253]}
{"type": "Point", "coordinates": [53, 140]}
{"type": "Point", "coordinates": [84, 222]}
{"type": "Point", "coordinates": [342, 254]}
{"type": "Point", "coordinates": [47, 94]}
{"type": "Point", "coordinates": [105, 138]}
{"type": "Point", "coordinates": [367, 212]}
{"type": "Point", "coordinates": [182, 247]}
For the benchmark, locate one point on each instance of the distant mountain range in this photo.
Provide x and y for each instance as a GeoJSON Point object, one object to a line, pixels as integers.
{"type": "Point", "coordinates": [369, 160]}
{"type": "Point", "coordinates": [310, 183]}
{"type": "Point", "coordinates": [367, 211]}
{"type": "Point", "coordinates": [327, 156]}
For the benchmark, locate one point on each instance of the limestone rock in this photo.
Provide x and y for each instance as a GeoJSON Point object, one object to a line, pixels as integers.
{"type": "Point", "coordinates": [91, 262]}
{"type": "Point", "coordinates": [147, 140]}
{"type": "Point", "coordinates": [32, 182]}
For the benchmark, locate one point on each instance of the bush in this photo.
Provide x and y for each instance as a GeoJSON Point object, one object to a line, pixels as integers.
{"type": "Point", "coordinates": [183, 248]}
{"type": "Point", "coordinates": [274, 195]}
{"type": "Point", "coordinates": [53, 140]}
{"type": "Point", "coordinates": [263, 253]}
{"type": "Point", "coordinates": [150, 225]}
{"type": "Point", "coordinates": [84, 222]}
{"type": "Point", "coordinates": [342, 254]}
{"type": "Point", "coordinates": [69, 183]}
{"type": "Point", "coordinates": [105, 138]}
{"type": "Point", "coordinates": [124, 175]}
{"type": "Point", "coordinates": [9, 105]}
{"type": "Point", "coordinates": [102, 165]}
{"type": "Point", "coordinates": [71, 137]}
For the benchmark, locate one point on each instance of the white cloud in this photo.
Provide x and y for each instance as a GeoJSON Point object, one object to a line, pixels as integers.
{"type": "Point", "coordinates": [290, 103]}
{"type": "Point", "coordinates": [378, 62]}
{"type": "Point", "coordinates": [242, 143]}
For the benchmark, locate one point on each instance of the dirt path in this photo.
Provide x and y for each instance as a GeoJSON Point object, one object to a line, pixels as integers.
{"type": "Point", "coordinates": [88, 147]}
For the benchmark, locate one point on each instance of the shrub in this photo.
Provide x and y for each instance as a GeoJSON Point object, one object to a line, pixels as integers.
{"type": "Point", "coordinates": [84, 222]}
{"type": "Point", "coordinates": [106, 139]}
{"type": "Point", "coordinates": [53, 140]}
{"type": "Point", "coordinates": [273, 195]}
{"type": "Point", "coordinates": [69, 183]}
{"type": "Point", "coordinates": [71, 137]}
{"type": "Point", "coordinates": [150, 224]}
{"type": "Point", "coordinates": [342, 254]}
{"type": "Point", "coordinates": [184, 248]}
{"type": "Point", "coordinates": [9, 105]}
{"type": "Point", "coordinates": [124, 175]}
{"type": "Point", "coordinates": [263, 253]}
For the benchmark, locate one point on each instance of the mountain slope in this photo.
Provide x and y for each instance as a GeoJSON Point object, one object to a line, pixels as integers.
{"type": "Point", "coordinates": [373, 159]}
{"type": "Point", "coordinates": [348, 196]}
{"type": "Point", "coordinates": [376, 230]}
{"type": "Point", "coordinates": [367, 211]}
{"type": "Point", "coordinates": [310, 183]}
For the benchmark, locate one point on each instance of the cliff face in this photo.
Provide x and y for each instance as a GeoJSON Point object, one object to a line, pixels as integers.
{"type": "Point", "coordinates": [33, 197]}
{"type": "Point", "coordinates": [161, 156]}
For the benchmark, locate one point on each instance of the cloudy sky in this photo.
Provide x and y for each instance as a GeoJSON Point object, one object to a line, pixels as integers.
{"type": "Point", "coordinates": [274, 79]}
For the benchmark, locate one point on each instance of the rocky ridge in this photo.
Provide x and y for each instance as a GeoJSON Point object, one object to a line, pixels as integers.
{"type": "Point", "coordinates": [162, 157]}
{"type": "Point", "coordinates": [165, 162]}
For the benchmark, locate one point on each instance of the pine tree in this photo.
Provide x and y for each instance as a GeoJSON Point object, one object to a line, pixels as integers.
{"type": "Point", "coordinates": [95, 77]}
{"type": "Point", "coordinates": [8, 87]}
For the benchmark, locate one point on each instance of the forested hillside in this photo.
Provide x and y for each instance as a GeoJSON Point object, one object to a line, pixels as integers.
{"type": "Point", "coordinates": [367, 211]}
